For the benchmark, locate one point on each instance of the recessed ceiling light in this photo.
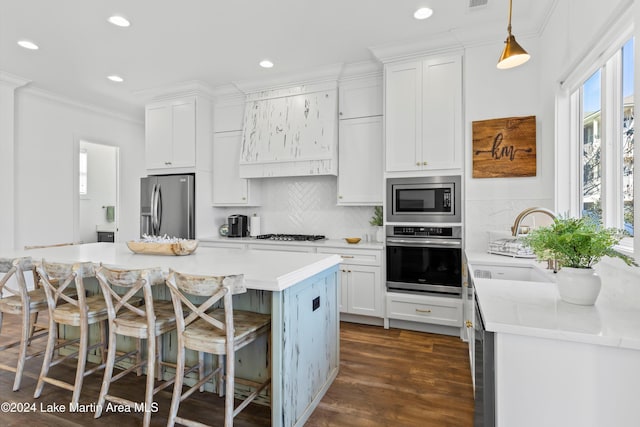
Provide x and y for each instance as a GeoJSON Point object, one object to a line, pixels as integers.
{"type": "Point", "coordinates": [423, 13]}
{"type": "Point", "coordinates": [119, 21]}
{"type": "Point", "coordinates": [115, 78]}
{"type": "Point", "coordinates": [28, 44]}
{"type": "Point", "coordinates": [265, 63]}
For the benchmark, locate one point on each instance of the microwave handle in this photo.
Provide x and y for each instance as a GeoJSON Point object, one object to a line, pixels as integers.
{"type": "Point", "coordinates": [454, 243]}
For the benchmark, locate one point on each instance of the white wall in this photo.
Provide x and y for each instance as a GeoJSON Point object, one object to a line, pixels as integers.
{"type": "Point", "coordinates": [46, 131]}
{"type": "Point", "coordinates": [492, 204]}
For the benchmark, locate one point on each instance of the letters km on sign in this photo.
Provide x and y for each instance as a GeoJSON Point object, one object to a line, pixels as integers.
{"type": "Point", "coordinates": [504, 147]}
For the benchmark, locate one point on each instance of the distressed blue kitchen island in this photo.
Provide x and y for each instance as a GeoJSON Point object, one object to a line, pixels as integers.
{"type": "Point", "coordinates": [300, 290]}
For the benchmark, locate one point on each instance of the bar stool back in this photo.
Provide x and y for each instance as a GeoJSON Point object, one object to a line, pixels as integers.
{"type": "Point", "coordinates": [219, 331]}
{"type": "Point", "coordinates": [70, 307]}
{"type": "Point", "coordinates": [127, 317]}
{"type": "Point", "coordinates": [16, 299]}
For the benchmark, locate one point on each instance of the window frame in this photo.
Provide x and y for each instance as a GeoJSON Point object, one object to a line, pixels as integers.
{"type": "Point", "coordinates": [605, 54]}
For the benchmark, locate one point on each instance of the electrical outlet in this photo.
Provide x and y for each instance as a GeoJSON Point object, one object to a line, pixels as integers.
{"type": "Point", "coordinates": [316, 303]}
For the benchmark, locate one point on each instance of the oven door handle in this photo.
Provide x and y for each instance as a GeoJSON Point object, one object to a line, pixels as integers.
{"type": "Point", "coordinates": [433, 243]}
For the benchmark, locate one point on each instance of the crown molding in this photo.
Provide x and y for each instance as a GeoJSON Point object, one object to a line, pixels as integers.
{"type": "Point", "coordinates": [41, 93]}
{"type": "Point", "coordinates": [12, 80]}
{"type": "Point", "coordinates": [357, 70]}
{"type": "Point", "coordinates": [188, 88]}
{"type": "Point", "coordinates": [320, 75]}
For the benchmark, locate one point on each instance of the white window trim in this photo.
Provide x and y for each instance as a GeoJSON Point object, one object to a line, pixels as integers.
{"type": "Point", "coordinates": [568, 130]}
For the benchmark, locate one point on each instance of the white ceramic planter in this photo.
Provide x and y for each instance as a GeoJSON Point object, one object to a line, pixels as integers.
{"type": "Point", "coordinates": [578, 285]}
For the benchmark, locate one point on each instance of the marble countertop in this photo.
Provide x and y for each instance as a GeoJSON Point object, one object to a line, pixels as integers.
{"type": "Point", "coordinates": [263, 270]}
{"type": "Point", "coordinates": [535, 309]}
{"type": "Point", "coordinates": [329, 243]}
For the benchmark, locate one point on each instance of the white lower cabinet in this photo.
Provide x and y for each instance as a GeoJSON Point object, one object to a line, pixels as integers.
{"type": "Point", "coordinates": [361, 290]}
{"type": "Point", "coordinates": [425, 309]}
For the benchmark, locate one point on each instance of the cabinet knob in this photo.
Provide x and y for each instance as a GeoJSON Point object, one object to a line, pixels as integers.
{"type": "Point", "coordinates": [469, 324]}
{"type": "Point", "coordinates": [339, 197]}
{"type": "Point", "coordinates": [244, 198]}
{"type": "Point", "coordinates": [424, 163]}
{"type": "Point", "coordinates": [417, 163]}
{"type": "Point", "coordinates": [340, 113]}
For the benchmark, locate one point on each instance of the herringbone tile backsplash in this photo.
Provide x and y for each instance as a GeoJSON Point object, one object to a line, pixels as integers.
{"type": "Point", "coordinates": [305, 205]}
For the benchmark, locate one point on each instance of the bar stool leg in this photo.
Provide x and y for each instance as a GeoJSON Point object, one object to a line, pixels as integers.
{"type": "Point", "coordinates": [158, 357]}
{"type": "Point", "coordinates": [82, 362]}
{"type": "Point", "coordinates": [34, 320]}
{"type": "Point", "coordinates": [151, 365]}
{"type": "Point", "coordinates": [201, 369]}
{"type": "Point", "coordinates": [108, 373]}
{"type": "Point", "coordinates": [25, 336]}
{"type": "Point", "coordinates": [48, 355]}
{"type": "Point", "coordinates": [220, 376]}
{"type": "Point", "coordinates": [104, 339]}
{"type": "Point", "coordinates": [177, 386]}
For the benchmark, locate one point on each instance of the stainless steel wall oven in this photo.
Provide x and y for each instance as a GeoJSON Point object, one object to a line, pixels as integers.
{"type": "Point", "coordinates": [424, 199]}
{"type": "Point", "coordinates": [424, 259]}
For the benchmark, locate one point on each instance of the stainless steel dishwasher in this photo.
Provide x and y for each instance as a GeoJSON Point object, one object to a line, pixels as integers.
{"type": "Point", "coordinates": [484, 367]}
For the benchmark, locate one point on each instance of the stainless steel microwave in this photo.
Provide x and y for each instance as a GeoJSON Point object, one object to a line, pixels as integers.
{"type": "Point", "coordinates": [424, 199]}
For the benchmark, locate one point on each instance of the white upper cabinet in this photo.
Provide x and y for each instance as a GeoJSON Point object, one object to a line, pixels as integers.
{"type": "Point", "coordinates": [360, 179]}
{"type": "Point", "coordinates": [227, 116]}
{"type": "Point", "coordinates": [423, 111]}
{"type": "Point", "coordinates": [360, 148]}
{"type": "Point", "coordinates": [170, 134]}
{"type": "Point", "coordinates": [360, 98]}
{"type": "Point", "coordinates": [228, 188]}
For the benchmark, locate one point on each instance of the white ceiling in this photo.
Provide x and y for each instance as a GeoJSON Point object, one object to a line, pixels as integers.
{"type": "Point", "coordinates": [221, 41]}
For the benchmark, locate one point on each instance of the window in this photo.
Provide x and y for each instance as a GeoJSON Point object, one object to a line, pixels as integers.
{"type": "Point", "coordinates": [83, 172]}
{"type": "Point", "coordinates": [606, 103]}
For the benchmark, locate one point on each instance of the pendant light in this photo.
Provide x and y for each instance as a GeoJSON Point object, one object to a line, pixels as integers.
{"type": "Point", "coordinates": [513, 54]}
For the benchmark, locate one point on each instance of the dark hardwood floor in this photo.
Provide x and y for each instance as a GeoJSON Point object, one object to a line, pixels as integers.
{"type": "Point", "coordinates": [390, 378]}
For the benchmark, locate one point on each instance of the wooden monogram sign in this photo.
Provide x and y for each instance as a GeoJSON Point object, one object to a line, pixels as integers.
{"type": "Point", "coordinates": [504, 147]}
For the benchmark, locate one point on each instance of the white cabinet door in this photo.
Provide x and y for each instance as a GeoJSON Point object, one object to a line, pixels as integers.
{"type": "Point", "coordinates": [360, 180]}
{"type": "Point", "coordinates": [403, 115]}
{"type": "Point", "coordinates": [184, 133]}
{"type": "Point", "coordinates": [423, 110]}
{"type": "Point", "coordinates": [364, 291]}
{"type": "Point", "coordinates": [360, 98]}
{"type": "Point", "coordinates": [158, 135]}
{"type": "Point", "coordinates": [228, 188]}
{"type": "Point", "coordinates": [170, 134]}
{"type": "Point", "coordinates": [227, 117]}
{"type": "Point", "coordinates": [442, 113]}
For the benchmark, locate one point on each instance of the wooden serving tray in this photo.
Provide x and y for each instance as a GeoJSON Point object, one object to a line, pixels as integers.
{"type": "Point", "coordinates": [185, 247]}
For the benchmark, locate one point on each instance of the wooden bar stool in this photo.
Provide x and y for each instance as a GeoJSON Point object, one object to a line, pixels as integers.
{"type": "Point", "coordinates": [219, 331]}
{"type": "Point", "coordinates": [127, 317]}
{"type": "Point", "coordinates": [71, 308]}
{"type": "Point", "coordinates": [15, 298]}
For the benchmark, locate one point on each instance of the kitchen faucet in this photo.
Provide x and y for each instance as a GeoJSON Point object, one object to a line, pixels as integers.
{"type": "Point", "coordinates": [551, 264]}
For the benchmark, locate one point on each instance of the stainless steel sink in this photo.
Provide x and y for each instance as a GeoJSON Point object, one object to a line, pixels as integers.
{"type": "Point", "coordinates": [526, 273]}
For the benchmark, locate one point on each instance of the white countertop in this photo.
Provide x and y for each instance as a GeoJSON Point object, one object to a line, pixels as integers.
{"type": "Point", "coordinates": [329, 243]}
{"type": "Point", "coordinates": [263, 270]}
{"type": "Point", "coordinates": [535, 309]}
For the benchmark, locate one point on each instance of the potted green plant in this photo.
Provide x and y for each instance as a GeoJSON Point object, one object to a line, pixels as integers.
{"type": "Point", "coordinates": [577, 244]}
{"type": "Point", "coordinates": [376, 220]}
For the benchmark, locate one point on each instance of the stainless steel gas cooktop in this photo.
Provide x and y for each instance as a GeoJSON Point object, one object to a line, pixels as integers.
{"type": "Point", "coordinates": [291, 237]}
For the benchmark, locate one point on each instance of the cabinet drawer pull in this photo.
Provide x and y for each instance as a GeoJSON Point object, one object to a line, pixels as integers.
{"type": "Point", "coordinates": [469, 324]}
{"type": "Point", "coordinates": [419, 310]}
{"type": "Point", "coordinates": [346, 256]}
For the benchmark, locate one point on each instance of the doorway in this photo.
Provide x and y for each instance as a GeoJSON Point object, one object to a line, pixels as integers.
{"type": "Point", "coordinates": [97, 192]}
